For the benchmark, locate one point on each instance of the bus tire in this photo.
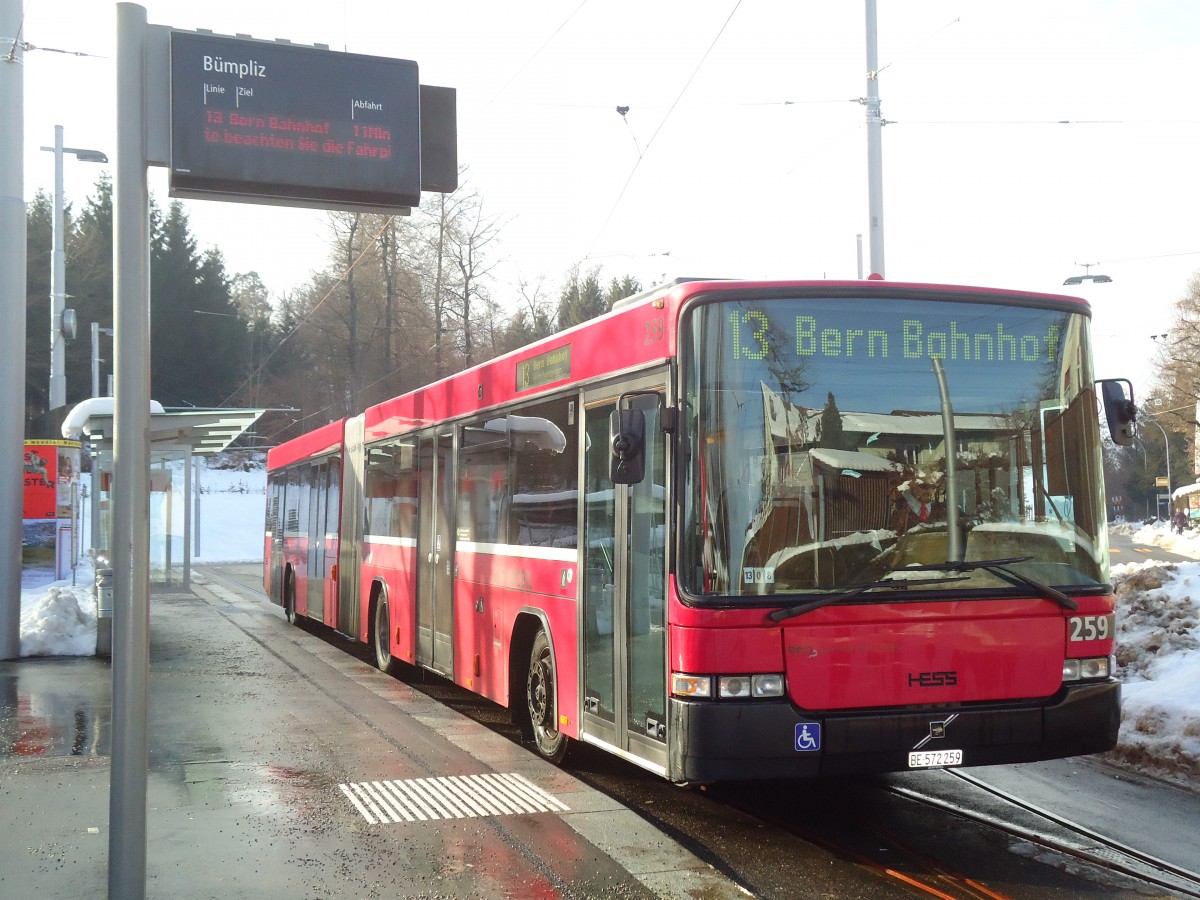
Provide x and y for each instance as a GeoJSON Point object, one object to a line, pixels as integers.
{"type": "Point", "coordinates": [541, 683]}
{"type": "Point", "coordinates": [289, 597]}
{"type": "Point", "coordinates": [382, 630]}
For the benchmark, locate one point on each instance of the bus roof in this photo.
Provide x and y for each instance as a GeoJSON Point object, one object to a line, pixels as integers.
{"type": "Point", "coordinates": [322, 440]}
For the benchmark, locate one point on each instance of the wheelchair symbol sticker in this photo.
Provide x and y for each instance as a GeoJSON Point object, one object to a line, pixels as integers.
{"type": "Point", "coordinates": [808, 737]}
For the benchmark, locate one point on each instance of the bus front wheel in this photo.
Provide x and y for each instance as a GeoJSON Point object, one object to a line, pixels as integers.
{"type": "Point", "coordinates": [540, 686]}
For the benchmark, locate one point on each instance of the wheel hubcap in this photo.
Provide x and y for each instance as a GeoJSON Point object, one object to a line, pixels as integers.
{"type": "Point", "coordinates": [539, 706]}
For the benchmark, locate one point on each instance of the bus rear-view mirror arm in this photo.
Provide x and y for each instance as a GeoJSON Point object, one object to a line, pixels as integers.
{"type": "Point", "coordinates": [627, 438]}
{"type": "Point", "coordinates": [1119, 410]}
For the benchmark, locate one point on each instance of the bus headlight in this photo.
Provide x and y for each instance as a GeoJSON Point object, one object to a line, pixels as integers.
{"type": "Point", "coordinates": [767, 685]}
{"type": "Point", "coordinates": [733, 686]}
{"type": "Point", "coordinates": [729, 687]}
{"type": "Point", "coordinates": [1087, 668]}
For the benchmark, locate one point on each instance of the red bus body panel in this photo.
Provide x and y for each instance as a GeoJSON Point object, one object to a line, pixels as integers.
{"type": "Point", "coordinates": [395, 567]}
{"type": "Point", "coordinates": [491, 589]}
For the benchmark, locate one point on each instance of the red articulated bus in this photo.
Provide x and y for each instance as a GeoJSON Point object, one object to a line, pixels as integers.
{"type": "Point", "coordinates": [740, 530]}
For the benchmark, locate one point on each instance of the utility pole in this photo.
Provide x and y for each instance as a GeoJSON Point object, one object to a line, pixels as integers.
{"type": "Point", "coordinates": [12, 314]}
{"type": "Point", "coordinates": [58, 291]}
{"type": "Point", "coordinates": [874, 146]}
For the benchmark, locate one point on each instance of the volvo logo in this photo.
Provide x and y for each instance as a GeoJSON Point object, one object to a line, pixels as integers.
{"type": "Point", "coordinates": [937, 731]}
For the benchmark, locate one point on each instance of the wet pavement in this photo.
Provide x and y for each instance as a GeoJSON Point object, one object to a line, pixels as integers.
{"type": "Point", "coordinates": [282, 767]}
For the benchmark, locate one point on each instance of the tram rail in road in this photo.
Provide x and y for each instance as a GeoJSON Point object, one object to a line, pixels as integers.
{"type": "Point", "coordinates": [1064, 836]}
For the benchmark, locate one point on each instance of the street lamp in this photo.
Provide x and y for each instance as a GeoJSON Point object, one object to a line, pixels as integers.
{"type": "Point", "coordinates": [62, 320]}
{"type": "Point", "coordinates": [1167, 453]}
{"type": "Point", "coordinates": [1095, 279]}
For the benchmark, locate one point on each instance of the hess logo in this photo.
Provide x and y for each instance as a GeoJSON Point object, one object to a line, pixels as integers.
{"type": "Point", "coordinates": [933, 679]}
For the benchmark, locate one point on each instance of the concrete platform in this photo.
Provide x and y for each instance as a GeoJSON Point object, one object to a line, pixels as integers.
{"type": "Point", "coordinates": [282, 767]}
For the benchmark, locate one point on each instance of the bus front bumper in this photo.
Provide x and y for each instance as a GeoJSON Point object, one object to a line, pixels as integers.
{"type": "Point", "coordinates": [734, 740]}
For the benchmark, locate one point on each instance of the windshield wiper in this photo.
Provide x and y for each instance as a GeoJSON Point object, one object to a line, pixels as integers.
{"type": "Point", "coordinates": [778, 615]}
{"type": "Point", "coordinates": [1000, 568]}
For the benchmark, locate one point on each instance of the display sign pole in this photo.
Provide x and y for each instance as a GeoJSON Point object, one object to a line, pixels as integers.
{"type": "Point", "coordinates": [131, 467]}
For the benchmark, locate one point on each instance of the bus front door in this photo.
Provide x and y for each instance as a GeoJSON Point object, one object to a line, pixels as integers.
{"type": "Point", "coordinates": [624, 589]}
{"type": "Point", "coordinates": [435, 552]}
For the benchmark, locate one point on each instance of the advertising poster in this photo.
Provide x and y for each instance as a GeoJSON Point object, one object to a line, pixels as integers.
{"type": "Point", "coordinates": [51, 473]}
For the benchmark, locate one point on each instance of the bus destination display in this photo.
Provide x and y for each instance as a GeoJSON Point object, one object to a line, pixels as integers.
{"type": "Point", "coordinates": [274, 122]}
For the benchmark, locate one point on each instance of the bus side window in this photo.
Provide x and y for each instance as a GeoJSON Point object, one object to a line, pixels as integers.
{"type": "Point", "coordinates": [545, 496]}
{"type": "Point", "coordinates": [390, 491]}
{"type": "Point", "coordinates": [483, 484]}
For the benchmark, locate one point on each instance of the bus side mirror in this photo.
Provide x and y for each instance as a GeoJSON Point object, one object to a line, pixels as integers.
{"type": "Point", "coordinates": [1120, 411]}
{"type": "Point", "coordinates": [627, 438]}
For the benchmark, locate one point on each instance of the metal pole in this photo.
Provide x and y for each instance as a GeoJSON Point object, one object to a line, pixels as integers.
{"type": "Point", "coordinates": [874, 146]}
{"type": "Point", "coordinates": [131, 467]}
{"type": "Point", "coordinates": [95, 359]}
{"type": "Point", "coordinates": [188, 486]}
{"type": "Point", "coordinates": [196, 487]}
{"type": "Point", "coordinates": [1167, 454]}
{"type": "Point", "coordinates": [12, 314]}
{"type": "Point", "coordinates": [58, 295]}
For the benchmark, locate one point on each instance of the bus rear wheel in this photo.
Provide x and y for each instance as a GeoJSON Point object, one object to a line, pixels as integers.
{"type": "Point", "coordinates": [540, 686]}
{"type": "Point", "coordinates": [383, 640]}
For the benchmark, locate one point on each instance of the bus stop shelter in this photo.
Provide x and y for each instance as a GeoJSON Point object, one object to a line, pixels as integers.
{"type": "Point", "coordinates": [177, 437]}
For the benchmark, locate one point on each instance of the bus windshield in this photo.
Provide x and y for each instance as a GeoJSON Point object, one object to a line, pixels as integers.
{"type": "Point", "coordinates": [837, 442]}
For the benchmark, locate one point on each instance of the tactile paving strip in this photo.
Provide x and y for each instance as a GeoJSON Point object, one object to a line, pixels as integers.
{"type": "Point", "coordinates": [449, 797]}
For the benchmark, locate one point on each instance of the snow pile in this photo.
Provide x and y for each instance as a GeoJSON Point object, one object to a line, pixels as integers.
{"type": "Point", "coordinates": [1159, 665]}
{"type": "Point", "coordinates": [60, 622]}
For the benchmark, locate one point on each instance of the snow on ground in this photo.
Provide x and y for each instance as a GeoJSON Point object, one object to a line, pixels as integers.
{"type": "Point", "coordinates": [59, 618]}
{"type": "Point", "coordinates": [1158, 607]}
{"type": "Point", "coordinates": [1158, 657]}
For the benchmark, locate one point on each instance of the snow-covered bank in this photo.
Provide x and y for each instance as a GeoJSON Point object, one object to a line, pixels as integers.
{"type": "Point", "coordinates": [1158, 657]}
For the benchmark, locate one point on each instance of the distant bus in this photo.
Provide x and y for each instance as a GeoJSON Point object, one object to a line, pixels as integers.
{"type": "Point", "coordinates": [740, 530]}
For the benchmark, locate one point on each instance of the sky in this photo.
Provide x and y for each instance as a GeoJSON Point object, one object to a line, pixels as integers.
{"type": "Point", "coordinates": [1158, 653]}
{"type": "Point", "coordinates": [743, 151]}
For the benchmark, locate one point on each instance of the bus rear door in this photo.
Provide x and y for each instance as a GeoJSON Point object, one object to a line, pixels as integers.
{"type": "Point", "coordinates": [324, 487]}
{"type": "Point", "coordinates": [435, 554]}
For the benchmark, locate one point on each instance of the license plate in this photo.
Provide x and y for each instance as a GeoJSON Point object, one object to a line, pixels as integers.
{"type": "Point", "coordinates": [923, 759]}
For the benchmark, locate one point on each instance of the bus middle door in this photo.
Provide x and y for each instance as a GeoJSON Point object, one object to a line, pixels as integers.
{"type": "Point", "coordinates": [435, 554]}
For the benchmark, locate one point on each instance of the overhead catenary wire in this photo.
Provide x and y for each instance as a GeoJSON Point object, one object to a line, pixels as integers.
{"type": "Point", "coordinates": [661, 124]}
{"type": "Point", "coordinates": [311, 312]}
{"type": "Point", "coordinates": [521, 68]}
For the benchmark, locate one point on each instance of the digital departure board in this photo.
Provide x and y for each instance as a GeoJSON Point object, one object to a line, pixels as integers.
{"type": "Point", "coordinates": [282, 123]}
